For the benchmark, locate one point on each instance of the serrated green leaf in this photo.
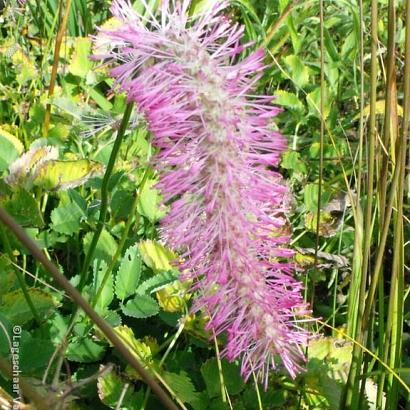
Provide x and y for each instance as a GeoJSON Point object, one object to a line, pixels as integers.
{"type": "Point", "coordinates": [288, 100]}
{"type": "Point", "coordinates": [15, 308]}
{"type": "Point", "coordinates": [139, 348]}
{"type": "Point", "coordinates": [297, 70]}
{"type": "Point", "coordinates": [155, 255]}
{"type": "Point", "coordinates": [66, 218]}
{"type": "Point", "coordinates": [106, 246]}
{"type": "Point", "coordinates": [182, 385]}
{"type": "Point", "coordinates": [56, 174]}
{"type": "Point", "coordinates": [291, 160]}
{"type": "Point", "coordinates": [140, 307]}
{"type": "Point", "coordinates": [107, 293]}
{"type": "Point", "coordinates": [24, 208]}
{"type": "Point", "coordinates": [149, 200]}
{"type": "Point", "coordinates": [129, 273]}
{"type": "Point", "coordinates": [157, 282]}
{"type": "Point", "coordinates": [84, 350]}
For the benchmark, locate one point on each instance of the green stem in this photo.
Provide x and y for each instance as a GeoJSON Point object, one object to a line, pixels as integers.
{"type": "Point", "coordinates": [122, 240]}
{"type": "Point", "coordinates": [104, 195]}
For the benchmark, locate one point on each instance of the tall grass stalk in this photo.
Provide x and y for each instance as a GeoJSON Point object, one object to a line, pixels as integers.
{"type": "Point", "coordinates": [59, 39]}
{"type": "Point", "coordinates": [396, 302]}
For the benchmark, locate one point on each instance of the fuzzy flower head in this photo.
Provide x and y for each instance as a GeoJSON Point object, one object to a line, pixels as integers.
{"type": "Point", "coordinates": [217, 154]}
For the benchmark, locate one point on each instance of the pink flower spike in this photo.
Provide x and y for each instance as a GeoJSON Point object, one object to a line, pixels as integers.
{"type": "Point", "coordinates": [217, 151]}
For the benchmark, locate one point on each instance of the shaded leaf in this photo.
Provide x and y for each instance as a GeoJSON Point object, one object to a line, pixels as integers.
{"type": "Point", "coordinates": [84, 350]}
{"type": "Point", "coordinates": [182, 385]}
{"type": "Point", "coordinates": [24, 208]}
{"type": "Point", "coordinates": [140, 307]}
{"type": "Point", "coordinates": [232, 378]}
{"type": "Point", "coordinates": [311, 194]}
{"type": "Point", "coordinates": [66, 218]}
{"type": "Point", "coordinates": [110, 388]}
{"type": "Point", "coordinates": [15, 308]}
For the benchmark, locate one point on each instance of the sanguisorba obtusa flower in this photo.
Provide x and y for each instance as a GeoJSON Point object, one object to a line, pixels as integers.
{"type": "Point", "coordinates": [217, 150]}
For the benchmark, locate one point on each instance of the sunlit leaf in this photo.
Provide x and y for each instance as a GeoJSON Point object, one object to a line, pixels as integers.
{"type": "Point", "coordinates": [329, 362]}
{"type": "Point", "coordinates": [288, 100]}
{"type": "Point", "coordinates": [149, 202]}
{"type": "Point", "coordinates": [22, 171]}
{"type": "Point", "coordinates": [380, 109]}
{"type": "Point", "coordinates": [80, 62]}
{"type": "Point", "coordinates": [156, 256]}
{"type": "Point", "coordinates": [297, 70]}
{"type": "Point", "coordinates": [53, 175]}
{"type": "Point", "coordinates": [10, 149]}
{"type": "Point", "coordinates": [25, 67]}
{"type": "Point", "coordinates": [174, 297]}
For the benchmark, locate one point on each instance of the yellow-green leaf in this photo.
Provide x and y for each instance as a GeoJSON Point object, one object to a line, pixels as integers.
{"type": "Point", "coordinates": [10, 149]}
{"type": "Point", "coordinates": [380, 109]}
{"type": "Point", "coordinates": [80, 61]}
{"type": "Point", "coordinates": [156, 256]}
{"type": "Point", "coordinates": [56, 174]}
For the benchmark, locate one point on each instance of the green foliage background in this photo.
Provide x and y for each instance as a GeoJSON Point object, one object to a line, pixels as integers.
{"type": "Point", "coordinates": [131, 282]}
